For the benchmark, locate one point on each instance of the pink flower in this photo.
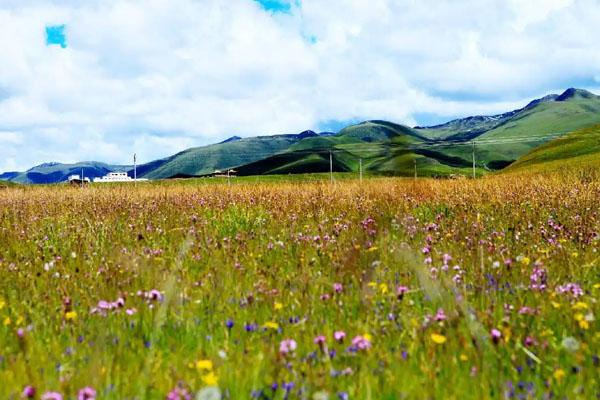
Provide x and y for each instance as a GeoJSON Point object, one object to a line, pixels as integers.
{"type": "Point", "coordinates": [130, 311]}
{"type": "Point", "coordinates": [28, 392]}
{"type": "Point", "coordinates": [179, 393]}
{"type": "Point", "coordinates": [52, 396]}
{"type": "Point", "coordinates": [401, 291]}
{"type": "Point", "coordinates": [361, 342]}
{"type": "Point", "coordinates": [337, 287]}
{"type": "Point", "coordinates": [320, 340]}
{"type": "Point", "coordinates": [440, 315]}
{"type": "Point", "coordinates": [496, 335]}
{"type": "Point", "coordinates": [87, 393]}
{"type": "Point", "coordinates": [287, 346]}
{"type": "Point", "coordinates": [339, 336]}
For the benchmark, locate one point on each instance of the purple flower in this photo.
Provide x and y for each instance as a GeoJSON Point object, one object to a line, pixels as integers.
{"type": "Point", "coordinates": [339, 336]}
{"type": "Point", "coordinates": [287, 346]}
{"type": "Point", "coordinates": [179, 393]}
{"type": "Point", "coordinates": [401, 291]}
{"type": "Point", "coordinates": [320, 340]}
{"type": "Point", "coordinates": [337, 287]}
{"type": "Point", "coordinates": [496, 335]}
{"type": "Point", "coordinates": [229, 324]}
{"type": "Point", "coordinates": [28, 392]}
{"type": "Point", "coordinates": [52, 396]}
{"type": "Point", "coordinates": [87, 393]}
{"type": "Point", "coordinates": [440, 315]}
{"type": "Point", "coordinates": [361, 343]}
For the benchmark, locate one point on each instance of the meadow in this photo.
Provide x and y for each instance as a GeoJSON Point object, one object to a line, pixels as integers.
{"type": "Point", "coordinates": [390, 288]}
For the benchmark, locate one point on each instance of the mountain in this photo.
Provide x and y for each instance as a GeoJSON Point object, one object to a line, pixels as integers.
{"type": "Point", "coordinates": [529, 127]}
{"type": "Point", "coordinates": [380, 147]}
{"type": "Point", "coordinates": [581, 147]}
{"type": "Point", "coordinates": [56, 172]}
{"type": "Point", "coordinates": [227, 154]}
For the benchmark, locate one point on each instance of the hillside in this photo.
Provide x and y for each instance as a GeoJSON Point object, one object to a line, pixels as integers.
{"type": "Point", "coordinates": [230, 153]}
{"type": "Point", "coordinates": [531, 127]}
{"type": "Point", "coordinates": [576, 148]}
{"type": "Point", "coordinates": [382, 147]}
{"type": "Point", "coordinates": [58, 172]}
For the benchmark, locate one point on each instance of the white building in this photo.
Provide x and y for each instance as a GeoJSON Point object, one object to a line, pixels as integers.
{"type": "Point", "coordinates": [116, 177]}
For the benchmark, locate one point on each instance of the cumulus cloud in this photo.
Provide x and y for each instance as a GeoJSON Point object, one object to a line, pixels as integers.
{"type": "Point", "coordinates": [158, 76]}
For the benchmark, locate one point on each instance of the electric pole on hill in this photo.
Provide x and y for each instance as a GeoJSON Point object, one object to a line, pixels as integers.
{"type": "Point", "coordinates": [415, 169]}
{"type": "Point", "coordinates": [360, 168]}
{"type": "Point", "coordinates": [330, 166]}
{"type": "Point", "coordinates": [473, 159]}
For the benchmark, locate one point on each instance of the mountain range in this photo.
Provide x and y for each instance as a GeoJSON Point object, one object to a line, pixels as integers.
{"type": "Point", "coordinates": [506, 140]}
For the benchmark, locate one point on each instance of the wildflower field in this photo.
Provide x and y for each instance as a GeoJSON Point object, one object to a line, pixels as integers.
{"type": "Point", "coordinates": [388, 288]}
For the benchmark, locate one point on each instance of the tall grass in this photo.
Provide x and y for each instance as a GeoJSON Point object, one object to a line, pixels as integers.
{"type": "Point", "coordinates": [444, 289]}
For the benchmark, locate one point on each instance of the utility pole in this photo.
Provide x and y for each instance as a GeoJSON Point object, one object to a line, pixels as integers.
{"type": "Point", "coordinates": [331, 166]}
{"type": "Point", "coordinates": [360, 168]}
{"type": "Point", "coordinates": [415, 169]}
{"type": "Point", "coordinates": [473, 159]}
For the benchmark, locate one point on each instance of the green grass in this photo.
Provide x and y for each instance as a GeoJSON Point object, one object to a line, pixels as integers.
{"type": "Point", "coordinates": [581, 147]}
{"type": "Point", "coordinates": [549, 118]}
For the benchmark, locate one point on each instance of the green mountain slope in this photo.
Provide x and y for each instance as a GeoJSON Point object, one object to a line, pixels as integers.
{"type": "Point", "coordinates": [381, 147]}
{"type": "Point", "coordinates": [228, 154]}
{"type": "Point", "coordinates": [531, 127]}
{"type": "Point", "coordinates": [576, 148]}
{"type": "Point", "coordinates": [58, 172]}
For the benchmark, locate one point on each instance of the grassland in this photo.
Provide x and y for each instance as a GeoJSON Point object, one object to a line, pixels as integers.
{"type": "Point", "coordinates": [573, 150]}
{"type": "Point", "coordinates": [289, 289]}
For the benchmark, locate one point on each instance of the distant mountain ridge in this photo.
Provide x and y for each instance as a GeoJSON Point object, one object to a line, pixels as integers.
{"type": "Point", "coordinates": [381, 147]}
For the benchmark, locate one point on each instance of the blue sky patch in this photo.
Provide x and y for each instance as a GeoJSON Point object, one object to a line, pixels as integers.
{"type": "Point", "coordinates": [284, 6]}
{"type": "Point", "coordinates": [55, 35]}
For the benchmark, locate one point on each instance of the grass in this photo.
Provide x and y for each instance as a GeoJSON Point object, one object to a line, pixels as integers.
{"type": "Point", "coordinates": [447, 288]}
{"type": "Point", "coordinates": [581, 147]}
{"type": "Point", "coordinates": [551, 118]}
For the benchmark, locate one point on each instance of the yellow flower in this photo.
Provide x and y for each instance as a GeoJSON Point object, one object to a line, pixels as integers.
{"type": "Point", "coordinates": [383, 288]}
{"type": "Point", "coordinates": [204, 365]}
{"type": "Point", "coordinates": [463, 357]}
{"type": "Point", "coordinates": [596, 286]}
{"type": "Point", "coordinates": [7, 321]}
{"type": "Point", "coordinates": [580, 306]}
{"type": "Point", "coordinates": [372, 249]}
{"type": "Point", "coordinates": [437, 338]}
{"type": "Point", "coordinates": [559, 374]}
{"type": "Point", "coordinates": [2, 303]}
{"type": "Point", "coordinates": [371, 284]}
{"type": "Point", "coordinates": [525, 261]}
{"type": "Point", "coordinates": [578, 317]}
{"type": "Point", "coordinates": [70, 315]}
{"type": "Point", "coordinates": [278, 306]}
{"type": "Point", "coordinates": [555, 304]}
{"type": "Point", "coordinates": [210, 379]}
{"type": "Point", "coordinates": [583, 324]}
{"type": "Point", "coordinates": [368, 337]}
{"type": "Point", "coordinates": [574, 254]}
{"type": "Point", "coordinates": [271, 325]}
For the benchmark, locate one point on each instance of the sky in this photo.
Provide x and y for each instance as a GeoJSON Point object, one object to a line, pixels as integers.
{"type": "Point", "coordinates": [102, 79]}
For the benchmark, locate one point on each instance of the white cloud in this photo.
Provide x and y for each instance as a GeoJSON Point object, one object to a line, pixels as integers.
{"type": "Point", "coordinates": [158, 76]}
